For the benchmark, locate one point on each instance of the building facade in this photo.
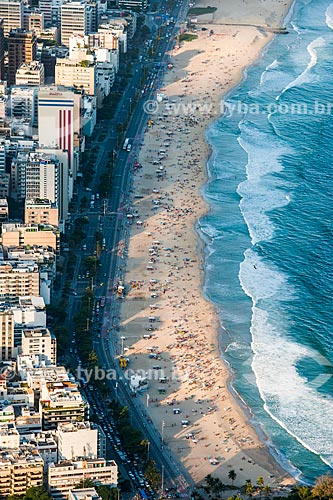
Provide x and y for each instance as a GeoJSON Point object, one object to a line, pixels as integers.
{"type": "Point", "coordinates": [30, 74]}
{"type": "Point", "coordinates": [11, 11]}
{"type": "Point", "coordinates": [22, 48]}
{"type": "Point", "coordinates": [64, 476]}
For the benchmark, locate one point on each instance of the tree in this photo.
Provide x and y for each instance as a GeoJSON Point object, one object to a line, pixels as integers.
{"type": "Point", "coordinates": [107, 493]}
{"type": "Point", "coordinates": [303, 492]}
{"type": "Point", "coordinates": [85, 483]}
{"type": "Point", "coordinates": [323, 488]}
{"type": "Point", "coordinates": [249, 488]}
{"type": "Point", "coordinates": [213, 486]}
{"type": "Point", "coordinates": [152, 474]}
{"type": "Point", "coordinates": [260, 482]}
{"type": "Point", "coordinates": [267, 490]}
{"type": "Point", "coordinates": [232, 475]}
{"type": "Point", "coordinates": [35, 493]}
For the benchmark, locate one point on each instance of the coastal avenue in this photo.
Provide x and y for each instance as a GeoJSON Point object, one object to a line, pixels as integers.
{"type": "Point", "coordinates": [114, 229]}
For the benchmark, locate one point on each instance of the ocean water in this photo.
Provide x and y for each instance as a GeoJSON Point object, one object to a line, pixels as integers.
{"type": "Point", "coordinates": [269, 239]}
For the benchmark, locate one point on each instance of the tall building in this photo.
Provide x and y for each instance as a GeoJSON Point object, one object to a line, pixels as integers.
{"type": "Point", "coordinates": [2, 51]}
{"type": "Point", "coordinates": [11, 11]}
{"type": "Point", "coordinates": [6, 333]}
{"type": "Point", "coordinates": [30, 74]}
{"type": "Point", "coordinates": [24, 104]}
{"type": "Point", "coordinates": [75, 19]}
{"type": "Point", "coordinates": [59, 120]}
{"type": "Point", "coordinates": [39, 341]}
{"type": "Point", "coordinates": [34, 21]}
{"type": "Point", "coordinates": [64, 476]}
{"type": "Point", "coordinates": [35, 175]}
{"type": "Point", "coordinates": [18, 278]}
{"type": "Point", "coordinates": [20, 470]}
{"type": "Point", "coordinates": [40, 211]}
{"type": "Point", "coordinates": [77, 74]}
{"type": "Point", "coordinates": [22, 48]}
{"type": "Point", "coordinates": [51, 11]}
{"type": "Point", "coordinates": [77, 440]}
{"type": "Point", "coordinates": [60, 402]}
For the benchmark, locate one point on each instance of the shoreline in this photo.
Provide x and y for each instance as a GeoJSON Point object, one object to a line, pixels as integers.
{"type": "Point", "coordinates": [264, 463]}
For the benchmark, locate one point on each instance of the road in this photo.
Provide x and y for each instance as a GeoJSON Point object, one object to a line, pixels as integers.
{"type": "Point", "coordinates": [114, 228]}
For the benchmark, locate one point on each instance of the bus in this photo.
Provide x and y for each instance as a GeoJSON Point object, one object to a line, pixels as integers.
{"type": "Point", "coordinates": [102, 301]}
{"type": "Point", "coordinates": [125, 144]}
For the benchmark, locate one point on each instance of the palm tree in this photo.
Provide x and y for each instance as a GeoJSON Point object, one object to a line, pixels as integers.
{"type": "Point", "coordinates": [303, 492]}
{"type": "Point", "coordinates": [232, 475]}
{"type": "Point", "coordinates": [248, 487]}
{"type": "Point", "coordinates": [260, 484]}
{"type": "Point", "coordinates": [267, 490]}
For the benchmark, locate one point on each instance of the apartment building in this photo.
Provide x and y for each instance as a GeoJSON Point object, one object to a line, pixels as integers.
{"type": "Point", "coordinates": [39, 341]}
{"type": "Point", "coordinates": [3, 210]}
{"type": "Point", "coordinates": [22, 48]}
{"type": "Point", "coordinates": [24, 104]}
{"type": "Point", "coordinates": [64, 476]}
{"type": "Point", "coordinates": [78, 74]}
{"type": "Point", "coordinates": [61, 402]}
{"type": "Point", "coordinates": [7, 414]}
{"type": "Point", "coordinates": [20, 470]}
{"type": "Point", "coordinates": [30, 74]}
{"type": "Point", "coordinates": [77, 440]}
{"type": "Point", "coordinates": [35, 175]}
{"type": "Point", "coordinates": [18, 278]}
{"type": "Point", "coordinates": [40, 211]}
{"type": "Point", "coordinates": [11, 11]}
{"type": "Point", "coordinates": [20, 235]}
{"type": "Point", "coordinates": [7, 350]}
{"type": "Point", "coordinates": [75, 19]}
{"type": "Point", "coordinates": [9, 437]}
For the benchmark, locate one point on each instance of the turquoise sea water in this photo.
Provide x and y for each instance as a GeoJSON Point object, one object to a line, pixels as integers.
{"type": "Point", "coordinates": [269, 243]}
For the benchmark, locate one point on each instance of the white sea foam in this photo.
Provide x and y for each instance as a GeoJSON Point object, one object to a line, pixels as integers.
{"type": "Point", "coordinates": [305, 76]}
{"type": "Point", "coordinates": [296, 28]}
{"type": "Point", "coordinates": [267, 75]}
{"type": "Point", "coordinates": [288, 397]}
{"type": "Point", "coordinates": [260, 193]}
{"type": "Point", "coordinates": [329, 16]}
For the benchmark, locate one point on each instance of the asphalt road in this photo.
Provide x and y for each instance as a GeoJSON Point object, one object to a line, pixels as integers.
{"type": "Point", "coordinates": [114, 228]}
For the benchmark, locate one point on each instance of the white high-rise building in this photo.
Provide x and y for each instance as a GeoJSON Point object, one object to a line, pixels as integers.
{"type": "Point", "coordinates": [24, 104]}
{"type": "Point", "coordinates": [35, 175]}
{"type": "Point", "coordinates": [11, 11]}
{"type": "Point", "coordinates": [77, 440]}
{"type": "Point", "coordinates": [75, 19]}
{"type": "Point", "coordinates": [59, 120]}
{"type": "Point", "coordinates": [39, 341]}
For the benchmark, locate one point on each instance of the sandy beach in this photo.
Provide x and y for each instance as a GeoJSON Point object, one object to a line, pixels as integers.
{"type": "Point", "coordinates": [164, 261]}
